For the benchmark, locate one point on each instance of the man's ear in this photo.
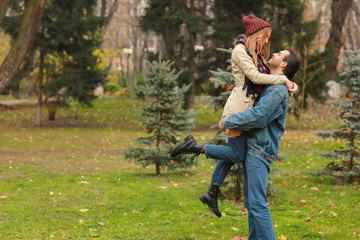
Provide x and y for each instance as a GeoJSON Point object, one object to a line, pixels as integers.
{"type": "Point", "coordinates": [283, 65]}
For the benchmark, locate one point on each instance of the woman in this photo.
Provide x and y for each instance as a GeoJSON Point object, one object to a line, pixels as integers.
{"type": "Point", "coordinates": [251, 72]}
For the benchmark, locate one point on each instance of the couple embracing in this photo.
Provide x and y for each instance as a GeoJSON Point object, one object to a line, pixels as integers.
{"type": "Point", "coordinates": [254, 121]}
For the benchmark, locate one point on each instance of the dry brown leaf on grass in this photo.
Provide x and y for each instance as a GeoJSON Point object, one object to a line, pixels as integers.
{"type": "Point", "coordinates": [243, 237]}
{"type": "Point", "coordinates": [303, 202]}
{"type": "Point", "coordinates": [334, 214]}
{"type": "Point", "coordinates": [101, 224]}
{"type": "Point", "coordinates": [282, 237]}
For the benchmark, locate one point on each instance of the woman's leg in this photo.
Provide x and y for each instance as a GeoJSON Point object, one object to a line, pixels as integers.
{"type": "Point", "coordinates": [228, 155]}
{"type": "Point", "coordinates": [235, 152]}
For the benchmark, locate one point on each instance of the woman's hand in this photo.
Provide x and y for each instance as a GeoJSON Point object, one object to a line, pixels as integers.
{"type": "Point", "coordinates": [292, 87]}
{"type": "Point", "coordinates": [289, 84]}
{"type": "Point", "coordinates": [294, 90]}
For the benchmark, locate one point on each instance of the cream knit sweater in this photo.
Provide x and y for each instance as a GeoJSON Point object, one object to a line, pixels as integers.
{"type": "Point", "coordinates": [243, 65]}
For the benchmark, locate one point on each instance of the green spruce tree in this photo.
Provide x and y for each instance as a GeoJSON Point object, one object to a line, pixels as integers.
{"type": "Point", "coordinates": [163, 119]}
{"type": "Point", "coordinates": [71, 33]}
{"type": "Point", "coordinates": [345, 164]}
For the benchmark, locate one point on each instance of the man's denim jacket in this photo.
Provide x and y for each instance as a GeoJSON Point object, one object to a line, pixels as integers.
{"type": "Point", "coordinates": [266, 122]}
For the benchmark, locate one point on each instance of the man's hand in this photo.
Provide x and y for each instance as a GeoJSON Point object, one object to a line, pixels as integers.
{"type": "Point", "coordinates": [232, 133]}
{"type": "Point", "coordinates": [221, 124]}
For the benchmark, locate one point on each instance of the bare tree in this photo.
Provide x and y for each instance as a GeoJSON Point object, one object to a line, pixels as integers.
{"type": "Point", "coordinates": [23, 41]}
{"type": "Point", "coordinates": [4, 4]}
{"type": "Point", "coordinates": [108, 13]}
{"type": "Point", "coordinates": [339, 9]}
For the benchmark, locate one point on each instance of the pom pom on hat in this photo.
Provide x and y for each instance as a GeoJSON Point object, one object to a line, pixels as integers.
{"type": "Point", "coordinates": [253, 24]}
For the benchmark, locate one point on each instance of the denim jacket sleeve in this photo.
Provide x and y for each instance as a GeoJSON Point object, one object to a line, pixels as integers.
{"type": "Point", "coordinates": [266, 110]}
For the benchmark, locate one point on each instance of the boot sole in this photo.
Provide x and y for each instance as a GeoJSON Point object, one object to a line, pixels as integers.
{"type": "Point", "coordinates": [205, 201]}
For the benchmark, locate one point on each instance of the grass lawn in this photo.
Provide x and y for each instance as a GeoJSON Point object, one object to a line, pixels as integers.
{"type": "Point", "coordinates": [69, 180]}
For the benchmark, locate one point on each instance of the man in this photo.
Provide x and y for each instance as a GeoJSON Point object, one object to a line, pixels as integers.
{"type": "Point", "coordinates": [267, 124]}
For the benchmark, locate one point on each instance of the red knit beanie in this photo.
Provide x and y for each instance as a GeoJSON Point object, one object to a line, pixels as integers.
{"type": "Point", "coordinates": [253, 24]}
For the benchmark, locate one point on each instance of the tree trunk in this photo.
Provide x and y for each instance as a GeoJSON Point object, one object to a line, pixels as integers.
{"type": "Point", "coordinates": [40, 93]}
{"type": "Point", "coordinates": [192, 36]}
{"type": "Point", "coordinates": [77, 110]}
{"type": "Point", "coordinates": [157, 165]}
{"type": "Point", "coordinates": [170, 36]}
{"type": "Point", "coordinates": [39, 109]}
{"type": "Point", "coordinates": [339, 9]}
{"type": "Point", "coordinates": [4, 4]}
{"type": "Point", "coordinates": [23, 42]}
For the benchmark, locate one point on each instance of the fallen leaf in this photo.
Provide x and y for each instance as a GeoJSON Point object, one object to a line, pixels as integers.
{"type": "Point", "coordinates": [84, 182]}
{"type": "Point", "coordinates": [297, 211]}
{"type": "Point", "coordinates": [234, 228]}
{"type": "Point", "coordinates": [308, 219]}
{"type": "Point", "coordinates": [314, 189]}
{"type": "Point", "coordinates": [322, 211]}
{"type": "Point", "coordinates": [282, 237]}
{"type": "Point", "coordinates": [332, 204]}
{"type": "Point", "coordinates": [3, 197]}
{"type": "Point", "coordinates": [334, 214]}
{"type": "Point", "coordinates": [101, 224]}
{"type": "Point", "coordinates": [102, 204]}
{"type": "Point", "coordinates": [284, 183]}
{"type": "Point", "coordinates": [84, 210]}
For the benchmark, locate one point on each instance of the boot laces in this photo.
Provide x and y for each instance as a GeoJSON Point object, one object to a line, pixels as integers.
{"type": "Point", "coordinates": [220, 196]}
{"type": "Point", "coordinates": [195, 156]}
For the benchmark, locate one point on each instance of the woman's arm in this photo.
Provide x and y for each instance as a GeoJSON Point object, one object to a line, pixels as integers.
{"type": "Point", "coordinates": [245, 62]}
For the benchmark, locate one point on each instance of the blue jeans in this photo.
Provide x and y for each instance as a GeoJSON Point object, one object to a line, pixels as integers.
{"type": "Point", "coordinates": [234, 152]}
{"type": "Point", "coordinates": [256, 173]}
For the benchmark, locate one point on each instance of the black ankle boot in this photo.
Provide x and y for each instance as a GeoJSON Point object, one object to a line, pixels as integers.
{"type": "Point", "coordinates": [211, 199]}
{"type": "Point", "coordinates": [188, 146]}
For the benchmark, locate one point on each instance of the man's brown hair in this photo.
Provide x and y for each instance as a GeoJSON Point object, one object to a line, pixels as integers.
{"type": "Point", "coordinates": [293, 64]}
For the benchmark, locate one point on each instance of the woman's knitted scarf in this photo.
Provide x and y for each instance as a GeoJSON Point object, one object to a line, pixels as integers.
{"type": "Point", "coordinates": [251, 88]}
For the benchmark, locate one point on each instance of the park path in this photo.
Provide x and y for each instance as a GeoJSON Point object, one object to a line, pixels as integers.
{"type": "Point", "coordinates": [16, 101]}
